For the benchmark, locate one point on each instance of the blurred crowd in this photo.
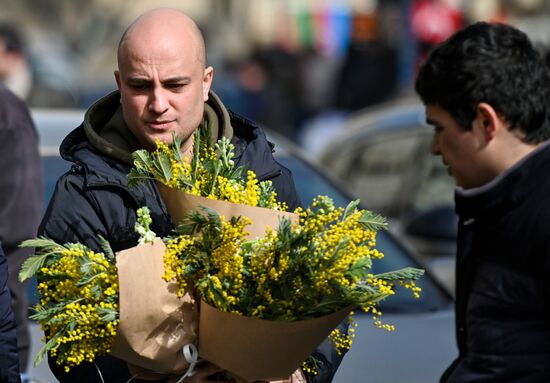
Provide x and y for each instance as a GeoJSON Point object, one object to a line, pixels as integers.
{"type": "Point", "coordinates": [327, 60]}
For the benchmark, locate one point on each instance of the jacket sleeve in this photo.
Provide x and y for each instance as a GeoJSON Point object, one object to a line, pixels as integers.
{"type": "Point", "coordinates": [81, 213]}
{"type": "Point", "coordinates": [327, 359]}
{"type": "Point", "coordinates": [72, 215]}
{"type": "Point", "coordinates": [9, 360]}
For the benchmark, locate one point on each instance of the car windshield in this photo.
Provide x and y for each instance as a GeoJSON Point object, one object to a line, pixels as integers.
{"type": "Point", "coordinates": [311, 183]}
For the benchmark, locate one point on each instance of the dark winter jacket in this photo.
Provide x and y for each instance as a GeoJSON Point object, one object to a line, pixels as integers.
{"type": "Point", "coordinates": [93, 198]}
{"type": "Point", "coordinates": [9, 360]}
{"type": "Point", "coordinates": [21, 190]}
{"type": "Point", "coordinates": [503, 290]}
{"type": "Point", "coordinates": [21, 201]}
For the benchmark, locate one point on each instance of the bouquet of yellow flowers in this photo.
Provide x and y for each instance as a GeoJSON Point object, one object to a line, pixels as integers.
{"type": "Point", "coordinates": [78, 308]}
{"type": "Point", "coordinates": [308, 276]}
{"type": "Point", "coordinates": [263, 264]}
{"type": "Point", "coordinates": [315, 267]}
{"type": "Point", "coordinates": [88, 304]}
{"type": "Point", "coordinates": [209, 173]}
{"type": "Point", "coordinates": [272, 284]}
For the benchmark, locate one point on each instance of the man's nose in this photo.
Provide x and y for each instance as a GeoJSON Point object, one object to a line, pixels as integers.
{"type": "Point", "coordinates": [158, 102]}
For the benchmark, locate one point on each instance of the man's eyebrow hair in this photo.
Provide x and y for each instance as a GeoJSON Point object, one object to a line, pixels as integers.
{"type": "Point", "coordinates": [138, 79]}
{"type": "Point", "coordinates": [176, 79]}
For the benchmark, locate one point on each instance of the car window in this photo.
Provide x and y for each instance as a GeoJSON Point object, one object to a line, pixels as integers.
{"type": "Point", "coordinates": [374, 168]}
{"type": "Point", "coordinates": [311, 183]}
{"type": "Point", "coordinates": [435, 187]}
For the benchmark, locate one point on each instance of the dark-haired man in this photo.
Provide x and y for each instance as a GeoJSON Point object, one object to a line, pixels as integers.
{"type": "Point", "coordinates": [487, 93]}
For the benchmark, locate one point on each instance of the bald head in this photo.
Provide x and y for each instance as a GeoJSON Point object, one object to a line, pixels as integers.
{"type": "Point", "coordinates": [162, 26]}
{"type": "Point", "coordinates": [162, 77]}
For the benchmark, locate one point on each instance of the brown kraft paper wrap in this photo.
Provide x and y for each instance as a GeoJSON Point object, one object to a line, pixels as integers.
{"type": "Point", "coordinates": [255, 349]}
{"type": "Point", "coordinates": [179, 204]}
{"type": "Point", "coordinates": [155, 323]}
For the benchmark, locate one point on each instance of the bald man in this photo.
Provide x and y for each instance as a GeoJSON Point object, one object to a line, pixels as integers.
{"type": "Point", "coordinates": [163, 88]}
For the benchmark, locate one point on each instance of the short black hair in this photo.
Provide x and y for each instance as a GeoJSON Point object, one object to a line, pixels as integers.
{"type": "Point", "coordinates": [492, 63]}
{"type": "Point", "coordinates": [12, 37]}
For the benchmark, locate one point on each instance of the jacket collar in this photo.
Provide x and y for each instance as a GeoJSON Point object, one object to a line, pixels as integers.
{"type": "Point", "coordinates": [86, 147]}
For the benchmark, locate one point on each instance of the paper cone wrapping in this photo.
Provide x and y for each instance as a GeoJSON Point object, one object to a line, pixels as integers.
{"type": "Point", "coordinates": [179, 204]}
{"type": "Point", "coordinates": [255, 349]}
{"type": "Point", "coordinates": [155, 323]}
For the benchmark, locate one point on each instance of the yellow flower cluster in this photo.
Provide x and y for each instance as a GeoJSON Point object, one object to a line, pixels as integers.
{"type": "Point", "coordinates": [210, 173]}
{"type": "Point", "coordinates": [343, 342]}
{"type": "Point", "coordinates": [304, 270]}
{"type": "Point", "coordinates": [78, 307]}
{"type": "Point", "coordinates": [220, 269]}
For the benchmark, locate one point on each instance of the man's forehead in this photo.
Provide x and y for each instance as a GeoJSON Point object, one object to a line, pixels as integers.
{"type": "Point", "coordinates": [172, 32]}
{"type": "Point", "coordinates": [160, 53]}
{"type": "Point", "coordinates": [160, 57]}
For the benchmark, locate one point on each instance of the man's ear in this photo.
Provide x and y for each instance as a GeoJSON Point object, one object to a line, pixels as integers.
{"type": "Point", "coordinates": [117, 78]}
{"type": "Point", "coordinates": [486, 122]}
{"type": "Point", "coordinates": [207, 82]}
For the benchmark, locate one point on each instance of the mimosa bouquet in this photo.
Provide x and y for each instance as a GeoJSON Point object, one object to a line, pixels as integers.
{"type": "Point", "coordinates": [272, 284]}
{"type": "Point", "coordinates": [207, 178]}
{"type": "Point", "coordinates": [94, 303]}
{"type": "Point", "coordinates": [273, 299]}
{"type": "Point", "coordinates": [210, 173]}
{"type": "Point", "coordinates": [263, 264]}
{"type": "Point", "coordinates": [78, 308]}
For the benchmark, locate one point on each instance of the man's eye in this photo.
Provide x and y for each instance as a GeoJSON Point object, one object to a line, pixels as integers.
{"type": "Point", "coordinates": [138, 87]}
{"type": "Point", "coordinates": [176, 86]}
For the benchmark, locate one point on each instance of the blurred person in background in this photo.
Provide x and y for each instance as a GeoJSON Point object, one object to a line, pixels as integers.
{"type": "Point", "coordinates": [22, 205]}
{"type": "Point", "coordinates": [486, 92]}
{"type": "Point", "coordinates": [163, 89]}
{"type": "Point", "coordinates": [17, 73]}
{"type": "Point", "coordinates": [433, 21]}
{"type": "Point", "coordinates": [9, 359]}
{"type": "Point", "coordinates": [369, 72]}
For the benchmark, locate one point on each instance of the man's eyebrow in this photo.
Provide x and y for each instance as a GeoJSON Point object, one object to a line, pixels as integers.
{"type": "Point", "coordinates": [429, 121]}
{"type": "Point", "coordinates": [138, 80]}
{"type": "Point", "coordinates": [176, 79]}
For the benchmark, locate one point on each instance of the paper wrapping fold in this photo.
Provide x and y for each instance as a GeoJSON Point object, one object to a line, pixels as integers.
{"type": "Point", "coordinates": [155, 323]}
{"type": "Point", "coordinates": [255, 349]}
{"type": "Point", "coordinates": [179, 204]}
